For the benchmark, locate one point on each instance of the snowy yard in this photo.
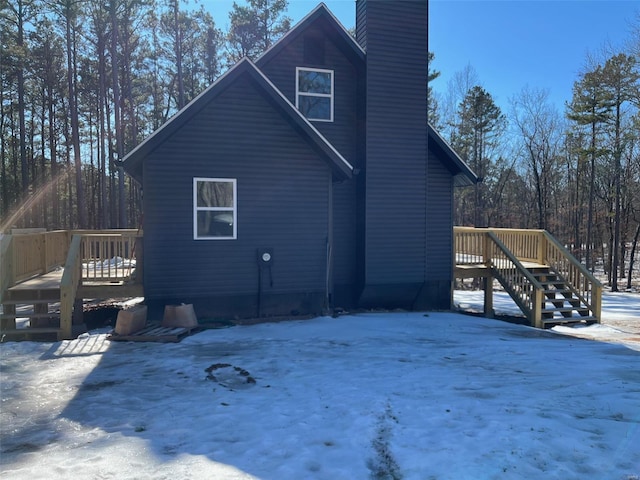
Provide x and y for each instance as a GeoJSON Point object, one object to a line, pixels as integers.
{"type": "Point", "coordinates": [368, 396]}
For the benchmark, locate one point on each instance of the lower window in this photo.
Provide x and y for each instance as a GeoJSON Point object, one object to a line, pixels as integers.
{"type": "Point", "coordinates": [214, 209]}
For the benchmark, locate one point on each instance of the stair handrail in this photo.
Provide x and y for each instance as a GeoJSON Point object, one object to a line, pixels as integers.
{"type": "Point", "coordinates": [69, 286]}
{"type": "Point", "coordinates": [532, 307]}
{"type": "Point", "coordinates": [583, 283]}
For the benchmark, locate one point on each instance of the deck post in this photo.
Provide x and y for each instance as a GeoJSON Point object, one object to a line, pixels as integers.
{"type": "Point", "coordinates": [488, 296]}
{"type": "Point", "coordinates": [488, 278]}
{"type": "Point", "coordinates": [66, 312]}
{"type": "Point", "coordinates": [537, 308]}
{"type": "Point", "coordinates": [68, 288]}
{"type": "Point", "coordinates": [596, 301]}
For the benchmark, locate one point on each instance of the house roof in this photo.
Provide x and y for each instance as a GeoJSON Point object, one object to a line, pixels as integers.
{"type": "Point", "coordinates": [463, 176]}
{"type": "Point", "coordinates": [340, 166]}
{"type": "Point", "coordinates": [336, 31]}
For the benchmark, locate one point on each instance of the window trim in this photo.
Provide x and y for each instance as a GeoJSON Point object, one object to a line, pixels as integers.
{"type": "Point", "coordinates": [233, 209]}
{"type": "Point", "coordinates": [330, 96]}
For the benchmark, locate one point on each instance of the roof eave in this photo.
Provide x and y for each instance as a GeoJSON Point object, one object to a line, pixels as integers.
{"type": "Point", "coordinates": [133, 160]}
{"type": "Point", "coordinates": [463, 176]}
{"type": "Point", "coordinates": [339, 164]}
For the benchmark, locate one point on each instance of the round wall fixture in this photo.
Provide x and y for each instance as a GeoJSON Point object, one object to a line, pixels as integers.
{"type": "Point", "coordinates": [266, 256]}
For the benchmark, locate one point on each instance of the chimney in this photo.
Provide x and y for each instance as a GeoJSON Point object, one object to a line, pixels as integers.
{"type": "Point", "coordinates": [394, 35]}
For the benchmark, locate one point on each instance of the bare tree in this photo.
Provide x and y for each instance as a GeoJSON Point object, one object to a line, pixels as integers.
{"type": "Point", "coordinates": [540, 133]}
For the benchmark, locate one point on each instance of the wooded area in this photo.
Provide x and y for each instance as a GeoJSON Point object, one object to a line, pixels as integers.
{"type": "Point", "coordinates": [83, 82]}
{"type": "Point", "coordinates": [573, 171]}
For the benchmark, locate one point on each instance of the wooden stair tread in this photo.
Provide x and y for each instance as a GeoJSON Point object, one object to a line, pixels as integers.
{"type": "Point", "coordinates": [570, 300]}
{"type": "Point", "coordinates": [564, 309]}
{"type": "Point", "coordinates": [565, 320]}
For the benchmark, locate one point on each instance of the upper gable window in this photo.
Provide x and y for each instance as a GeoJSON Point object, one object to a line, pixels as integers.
{"type": "Point", "coordinates": [314, 93]}
{"type": "Point", "coordinates": [214, 208]}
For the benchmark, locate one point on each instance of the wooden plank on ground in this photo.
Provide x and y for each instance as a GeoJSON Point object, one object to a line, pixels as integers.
{"type": "Point", "coordinates": [155, 333]}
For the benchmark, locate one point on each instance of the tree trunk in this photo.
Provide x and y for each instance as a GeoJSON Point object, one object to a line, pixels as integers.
{"type": "Point", "coordinates": [178, 52]}
{"type": "Point", "coordinates": [75, 127]}
{"type": "Point", "coordinates": [617, 219]}
{"type": "Point", "coordinates": [122, 221]}
{"type": "Point", "coordinates": [24, 167]}
{"type": "Point", "coordinates": [102, 137]}
{"type": "Point", "coordinates": [634, 245]}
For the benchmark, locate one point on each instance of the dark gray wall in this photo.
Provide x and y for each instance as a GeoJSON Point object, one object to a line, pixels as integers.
{"type": "Point", "coordinates": [281, 70]}
{"type": "Point", "coordinates": [439, 220]}
{"type": "Point", "coordinates": [436, 293]}
{"type": "Point", "coordinates": [342, 133]}
{"type": "Point", "coordinates": [283, 203]}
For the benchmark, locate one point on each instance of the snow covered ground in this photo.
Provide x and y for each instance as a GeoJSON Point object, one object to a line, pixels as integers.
{"type": "Point", "coordinates": [620, 315]}
{"type": "Point", "coordinates": [367, 396]}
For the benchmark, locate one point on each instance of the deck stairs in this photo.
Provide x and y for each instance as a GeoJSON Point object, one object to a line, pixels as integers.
{"type": "Point", "coordinates": [548, 284]}
{"type": "Point", "coordinates": [43, 317]}
{"type": "Point", "coordinates": [561, 303]}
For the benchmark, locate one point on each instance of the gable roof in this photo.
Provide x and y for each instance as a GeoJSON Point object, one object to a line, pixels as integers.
{"type": "Point", "coordinates": [463, 176]}
{"type": "Point", "coordinates": [132, 162]}
{"type": "Point", "coordinates": [345, 41]}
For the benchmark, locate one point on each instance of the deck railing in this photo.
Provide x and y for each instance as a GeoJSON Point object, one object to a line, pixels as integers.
{"type": "Point", "coordinates": [37, 253]}
{"type": "Point", "coordinates": [108, 257]}
{"type": "Point", "coordinates": [6, 264]}
{"type": "Point", "coordinates": [583, 283]}
{"type": "Point", "coordinates": [524, 244]}
{"type": "Point", "coordinates": [469, 245]}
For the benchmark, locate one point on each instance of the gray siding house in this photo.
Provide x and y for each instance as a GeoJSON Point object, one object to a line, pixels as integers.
{"type": "Point", "coordinates": [306, 180]}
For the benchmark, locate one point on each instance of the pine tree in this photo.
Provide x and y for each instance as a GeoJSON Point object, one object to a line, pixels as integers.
{"type": "Point", "coordinates": [255, 27]}
{"type": "Point", "coordinates": [590, 107]}
{"type": "Point", "coordinates": [432, 103]}
{"type": "Point", "coordinates": [476, 135]}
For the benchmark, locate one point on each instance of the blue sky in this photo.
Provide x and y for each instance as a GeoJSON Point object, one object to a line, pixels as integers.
{"type": "Point", "coordinates": [510, 43]}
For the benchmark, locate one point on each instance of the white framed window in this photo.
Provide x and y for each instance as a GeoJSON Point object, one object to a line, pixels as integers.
{"type": "Point", "coordinates": [314, 93]}
{"type": "Point", "coordinates": [215, 211]}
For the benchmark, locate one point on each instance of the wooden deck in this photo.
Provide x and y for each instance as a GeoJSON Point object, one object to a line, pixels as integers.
{"type": "Point", "coordinates": [47, 281]}
{"type": "Point", "coordinates": [54, 271]}
{"type": "Point", "coordinates": [50, 282]}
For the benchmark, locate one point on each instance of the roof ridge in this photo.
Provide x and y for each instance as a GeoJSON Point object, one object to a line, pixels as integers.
{"type": "Point", "coordinates": [320, 9]}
